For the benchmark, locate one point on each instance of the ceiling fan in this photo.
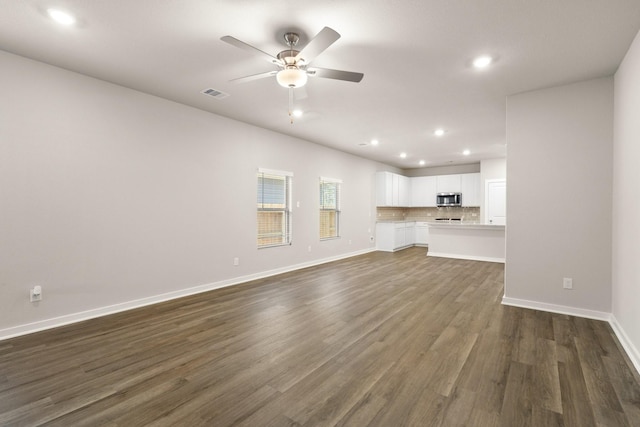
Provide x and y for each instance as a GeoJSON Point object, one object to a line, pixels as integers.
{"type": "Point", "coordinates": [293, 64]}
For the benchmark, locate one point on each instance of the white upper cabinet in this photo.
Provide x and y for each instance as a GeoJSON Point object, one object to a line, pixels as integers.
{"type": "Point", "coordinates": [404, 191]}
{"type": "Point", "coordinates": [470, 189]}
{"type": "Point", "coordinates": [449, 183]}
{"type": "Point", "coordinates": [423, 191]}
{"type": "Point", "coordinates": [384, 189]}
{"type": "Point", "coordinates": [392, 189]}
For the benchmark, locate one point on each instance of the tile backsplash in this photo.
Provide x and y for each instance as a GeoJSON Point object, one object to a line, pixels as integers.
{"type": "Point", "coordinates": [470, 214]}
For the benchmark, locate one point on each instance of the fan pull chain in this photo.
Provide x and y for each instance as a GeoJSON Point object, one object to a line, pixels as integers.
{"type": "Point", "coordinates": [291, 104]}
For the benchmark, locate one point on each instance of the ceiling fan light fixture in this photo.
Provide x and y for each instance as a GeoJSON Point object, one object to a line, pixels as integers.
{"type": "Point", "coordinates": [291, 77]}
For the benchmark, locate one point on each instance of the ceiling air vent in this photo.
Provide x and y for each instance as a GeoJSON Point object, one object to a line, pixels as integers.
{"type": "Point", "coordinates": [215, 93]}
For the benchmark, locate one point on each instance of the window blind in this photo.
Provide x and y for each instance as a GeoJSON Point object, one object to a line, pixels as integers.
{"type": "Point", "coordinates": [329, 208]}
{"type": "Point", "coordinates": [274, 208]}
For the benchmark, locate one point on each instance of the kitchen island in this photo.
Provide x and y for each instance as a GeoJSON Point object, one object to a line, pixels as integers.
{"type": "Point", "coordinates": [475, 241]}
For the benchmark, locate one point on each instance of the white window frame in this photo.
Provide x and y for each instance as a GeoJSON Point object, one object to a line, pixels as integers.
{"type": "Point", "coordinates": [329, 208]}
{"type": "Point", "coordinates": [285, 236]}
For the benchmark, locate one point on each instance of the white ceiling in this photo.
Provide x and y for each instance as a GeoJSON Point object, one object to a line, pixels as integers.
{"type": "Point", "coordinates": [415, 55]}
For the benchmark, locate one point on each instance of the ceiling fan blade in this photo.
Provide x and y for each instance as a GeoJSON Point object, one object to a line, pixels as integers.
{"type": "Point", "coordinates": [327, 73]}
{"type": "Point", "coordinates": [325, 38]}
{"type": "Point", "coordinates": [247, 47]}
{"type": "Point", "coordinates": [254, 77]}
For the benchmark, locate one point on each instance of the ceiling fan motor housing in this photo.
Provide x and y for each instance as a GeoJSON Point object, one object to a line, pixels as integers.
{"type": "Point", "coordinates": [291, 39]}
{"type": "Point", "coordinates": [288, 57]}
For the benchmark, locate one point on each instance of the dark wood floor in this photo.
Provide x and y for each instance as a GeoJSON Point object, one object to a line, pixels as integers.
{"type": "Point", "coordinates": [383, 339]}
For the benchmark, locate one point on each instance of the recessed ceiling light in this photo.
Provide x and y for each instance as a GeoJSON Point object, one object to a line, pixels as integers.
{"type": "Point", "coordinates": [297, 113]}
{"type": "Point", "coordinates": [422, 162]}
{"type": "Point", "coordinates": [466, 152]}
{"type": "Point", "coordinates": [375, 142]}
{"type": "Point", "coordinates": [482, 61]}
{"type": "Point", "coordinates": [61, 17]}
{"type": "Point", "coordinates": [403, 155]}
{"type": "Point", "coordinates": [438, 132]}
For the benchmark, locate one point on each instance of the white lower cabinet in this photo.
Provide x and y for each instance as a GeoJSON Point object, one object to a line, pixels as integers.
{"type": "Point", "coordinates": [422, 234]}
{"type": "Point", "coordinates": [398, 236]}
{"type": "Point", "coordinates": [410, 233]}
{"type": "Point", "coordinates": [392, 236]}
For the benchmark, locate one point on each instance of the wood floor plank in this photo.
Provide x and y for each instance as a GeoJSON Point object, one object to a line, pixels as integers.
{"type": "Point", "coordinates": [544, 417]}
{"type": "Point", "coordinates": [517, 407]}
{"type": "Point", "coordinates": [459, 409]}
{"type": "Point", "coordinates": [600, 390]}
{"type": "Point", "coordinates": [445, 359]}
{"type": "Point", "coordinates": [576, 408]}
{"type": "Point", "coordinates": [546, 378]}
{"type": "Point", "coordinates": [525, 349]}
{"type": "Point", "coordinates": [381, 339]}
{"type": "Point", "coordinates": [486, 372]}
{"type": "Point", "coordinates": [626, 385]}
{"type": "Point", "coordinates": [363, 411]}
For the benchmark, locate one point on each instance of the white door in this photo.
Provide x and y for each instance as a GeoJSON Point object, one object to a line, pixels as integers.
{"type": "Point", "coordinates": [496, 202]}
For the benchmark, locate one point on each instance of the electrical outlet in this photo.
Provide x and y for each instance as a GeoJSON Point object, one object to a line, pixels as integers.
{"type": "Point", "coordinates": [309, 248]}
{"type": "Point", "coordinates": [567, 283]}
{"type": "Point", "coordinates": [236, 261]}
{"type": "Point", "coordinates": [35, 294]}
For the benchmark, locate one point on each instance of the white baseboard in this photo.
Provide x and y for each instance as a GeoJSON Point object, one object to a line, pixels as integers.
{"type": "Point", "coordinates": [469, 257]}
{"type": "Point", "coordinates": [67, 319]}
{"type": "Point", "coordinates": [560, 309]}
{"type": "Point", "coordinates": [628, 346]}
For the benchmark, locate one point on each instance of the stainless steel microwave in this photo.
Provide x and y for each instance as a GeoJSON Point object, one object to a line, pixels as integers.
{"type": "Point", "coordinates": [449, 199]}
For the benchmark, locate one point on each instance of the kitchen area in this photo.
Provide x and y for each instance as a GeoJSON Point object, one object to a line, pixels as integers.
{"type": "Point", "coordinates": [459, 215]}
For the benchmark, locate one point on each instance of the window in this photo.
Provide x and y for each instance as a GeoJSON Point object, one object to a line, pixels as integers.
{"type": "Point", "coordinates": [274, 208]}
{"type": "Point", "coordinates": [329, 208]}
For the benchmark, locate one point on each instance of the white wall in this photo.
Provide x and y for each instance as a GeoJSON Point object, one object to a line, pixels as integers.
{"type": "Point", "coordinates": [442, 170]}
{"type": "Point", "coordinates": [493, 169]}
{"type": "Point", "coordinates": [626, 214]}
{"type": "Point", "coordinates": [490, 169]}
{"type": "Point", "coordinates": [111, 197]}
{"type": "Point", "coordinates": [559, 175]}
